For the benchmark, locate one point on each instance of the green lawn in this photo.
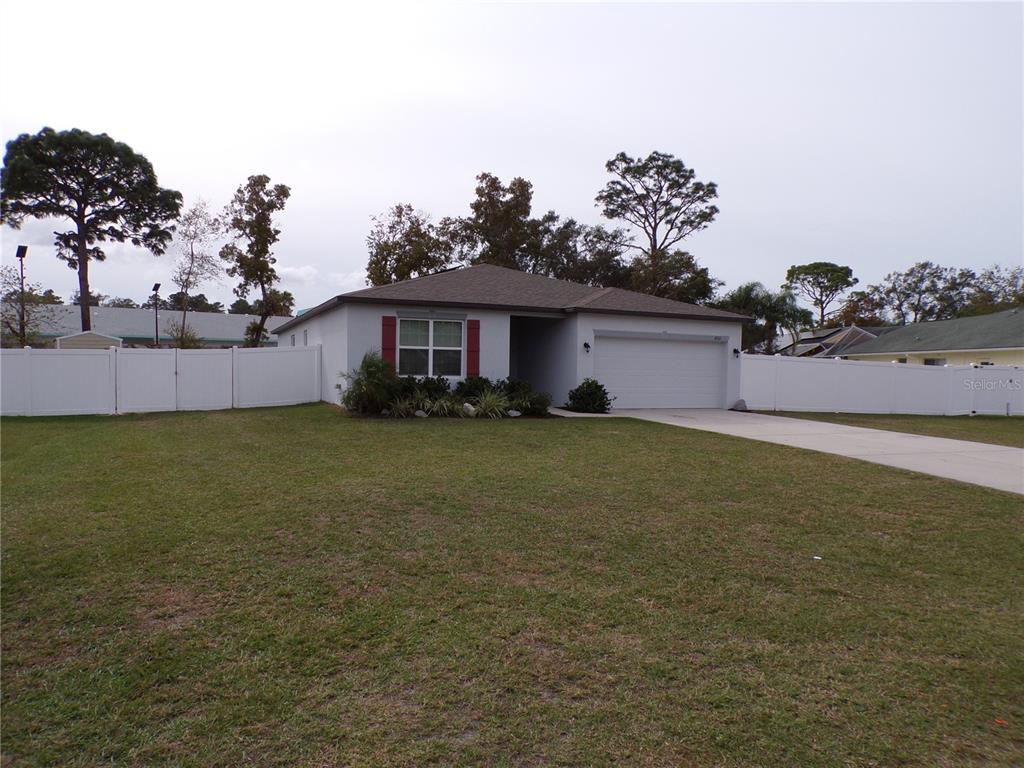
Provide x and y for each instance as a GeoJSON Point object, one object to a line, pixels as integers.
{"type": "Point", "coordinates": [291, 587]}
{"type": "Point", "coordinates": [997, 430]}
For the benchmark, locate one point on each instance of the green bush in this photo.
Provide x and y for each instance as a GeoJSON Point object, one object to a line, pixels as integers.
{"type": "Point", "coordinates": [186, 338]}
{"type": "Point", "coordinates": [444, 406]}
{"type": "Point", "coordinates": [402, 408]}
{"type": "Point", "coordinates": [514, 387]}
{"type": "Point", "coordinates": [531, 403]}
{"type": "Point", "coordinates": [433, 387]}
{"type": "Point", "coordinates": [473, 387]}
{"type": "Point", "coordinates": [491, 404]}
{"type": "Point", "coordinates": [372, 387]}
{"type": "Point", "coordinates": [432, 395]}
{"type": "Point", "coordinates": [590, 397]}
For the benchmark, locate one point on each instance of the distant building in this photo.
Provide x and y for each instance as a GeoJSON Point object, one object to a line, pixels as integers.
{"type": "Point", "coordinates": [832, 342]}
{"type": "Point", "coordinates": [87, 340]}
{"type": "Point", "coordinates": [135, 327]}
{"type": "Point", "coordinates": [996, 339]}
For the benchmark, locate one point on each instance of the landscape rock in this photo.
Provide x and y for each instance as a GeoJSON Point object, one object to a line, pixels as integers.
{"type": "Point", "coordinates": [514, 413]}
{"type": "Point", "coordinates": [420, 414]}
{"type": "Point", "coordinates": [469, 409]}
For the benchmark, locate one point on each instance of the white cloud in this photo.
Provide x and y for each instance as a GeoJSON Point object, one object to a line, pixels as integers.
{"type": "Point", "coordinates": [349, 281]}
{"type": "Point", "coordinates": [307, 274]}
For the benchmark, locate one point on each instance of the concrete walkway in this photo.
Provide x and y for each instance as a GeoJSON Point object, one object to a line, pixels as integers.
{"type": "Point", "coordinates": [994, 466]}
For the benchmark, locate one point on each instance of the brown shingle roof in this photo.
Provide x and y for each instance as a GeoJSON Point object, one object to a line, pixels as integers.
{"type": "Point", "coordinates": [486, 286]}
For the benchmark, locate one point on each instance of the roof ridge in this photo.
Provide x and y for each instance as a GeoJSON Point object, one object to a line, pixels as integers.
{"type": "Point", "coordinates": [591, 297]}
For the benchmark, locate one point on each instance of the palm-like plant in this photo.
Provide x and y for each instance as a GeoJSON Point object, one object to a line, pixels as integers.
{"type": "Point", "coordinates": [773, 311]}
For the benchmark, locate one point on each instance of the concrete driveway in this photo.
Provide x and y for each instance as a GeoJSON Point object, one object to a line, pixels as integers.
{"type": "Point", "coordinates": [993, 466]}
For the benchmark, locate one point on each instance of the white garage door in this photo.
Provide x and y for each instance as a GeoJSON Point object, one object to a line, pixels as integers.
{"type": "Point", "coordinates": [655, 373]}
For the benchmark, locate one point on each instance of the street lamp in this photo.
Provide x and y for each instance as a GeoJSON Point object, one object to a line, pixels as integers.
{"type": "Point", "coordinates": [156, 314]}
{"type": "Point", "coordinates": [20, 254]}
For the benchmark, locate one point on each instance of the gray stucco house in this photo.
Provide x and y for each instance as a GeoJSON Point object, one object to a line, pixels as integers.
{"type": "Point", "coordinates": [495, 322]}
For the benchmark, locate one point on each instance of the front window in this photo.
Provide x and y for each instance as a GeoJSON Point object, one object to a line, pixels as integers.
{"type": "Point", "coordinates": [935, 361]}
{"type": "Point", "coordinates": [429, 347]}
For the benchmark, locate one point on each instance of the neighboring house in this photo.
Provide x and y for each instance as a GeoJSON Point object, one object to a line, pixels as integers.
{"type": "Point", "coordinates": [496, 322]}
{"type": "Point", "coordinates": [87, 340]}
{"type": "Point", "coordinates": [135, 327]}
{"type": "Point", "coordinates": [831, 342]}
{"type": "Point", "coordinates": [996, 339]}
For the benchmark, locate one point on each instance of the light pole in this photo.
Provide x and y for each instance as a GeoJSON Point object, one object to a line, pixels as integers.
{"type": "Point", "coordinates": [21, 253]}
{"type": "Point", "coordinates": [156, 314]}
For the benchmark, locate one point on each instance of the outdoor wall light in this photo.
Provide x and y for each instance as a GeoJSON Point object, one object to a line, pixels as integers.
{"type": "Point", "coordinates": [735, 352]}
{"type": "Point", "coordinates": [586, 347]}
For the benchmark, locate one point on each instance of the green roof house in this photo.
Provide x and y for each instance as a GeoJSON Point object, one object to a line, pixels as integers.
{"type": "Point", "coordinates": [996, 339]}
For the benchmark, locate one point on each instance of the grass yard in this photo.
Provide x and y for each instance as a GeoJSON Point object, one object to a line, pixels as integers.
{"type": "Point", "coordinates": [997, 430]}
{"type": "Point", "coordinates": [291, 587]}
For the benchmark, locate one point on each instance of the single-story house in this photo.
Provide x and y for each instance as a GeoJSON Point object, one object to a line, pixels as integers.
{"type": "Point", "coordinates": [135, 326]}
{"type": "Point", "coordinates": [831, 342]}
{"type": "Point", "coordinates": [995, 339]}
{"type": "Point", "coordinates": [491, 321]}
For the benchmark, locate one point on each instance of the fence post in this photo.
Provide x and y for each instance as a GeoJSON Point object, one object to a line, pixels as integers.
{"type": "Point", "coordinates": [234, 377]}
{"type": "Point", "coordinates": [950, 395]}
{"type": "Point", "coordinates": [838, 382]}
{"type": "Point", "coordinates": [29, 409]}
{"type": "Point", "coordinates": [775, 382]}
{"type": "Point", "coordinates": [320, 371]}
{"type": "Point", "coordinates": [974, 388]}
{"type": "Point", "coordinates": [894, 385]}
{"type": "Point", "coordinates": [117, 381]}
{"type": "Point", "coordinates": [177, 398]}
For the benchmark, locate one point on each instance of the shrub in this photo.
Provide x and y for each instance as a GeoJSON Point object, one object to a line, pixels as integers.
{"type": "Point", "coordinates": [473, 387]}
{"type": "Point", "coordinates": [514, 387]}
{"type": "Point", "coordinates": [532, 403]}
{"type": "Point", "coordinates": [185, 339]}
{"type": "Point", "coordinates": [444, 406]}
{"type": "Point", "coordinates": [372, 387]}
{"type": "Point", "coordinates": [590, 397]}
{"type": "Point", "coordinates": [433, 387]}
{"type": "Point", "coordinates": [491, 403]}
{"type": "Point", "coordinates": [402, 408]}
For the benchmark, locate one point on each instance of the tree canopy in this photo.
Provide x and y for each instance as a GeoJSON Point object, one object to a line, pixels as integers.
{"type": "Point", "coordinates": [773, 311]}
{"type": "Point", "coordinates": [659, 196]}
{"type": "Point", "coordinates": [404, 244]}
{"type": "Point", "coordinates": [928, 291]}
{"type": "Point", "coordinates": [249, 219]}
{"type": "Point", "coordinates": [105, 189]}
{"type": "Point", "coordinates": [241, 307]}
{"type": "Point", "coordinates": [501, 229]}
{"type": "Point", "coordinates": [24, 315]}
{"type": "Point", "coordinates": [820, 282]}
{"type": "Point", "coordinates": [197, 262]}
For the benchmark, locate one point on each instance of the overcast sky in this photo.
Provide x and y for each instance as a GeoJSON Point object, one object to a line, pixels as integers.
{"type": "Point", "coordinates": [867, 134]}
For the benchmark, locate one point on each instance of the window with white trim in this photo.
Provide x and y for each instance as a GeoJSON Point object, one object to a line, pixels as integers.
{"type": "Point", "coordinates": [429, 347]}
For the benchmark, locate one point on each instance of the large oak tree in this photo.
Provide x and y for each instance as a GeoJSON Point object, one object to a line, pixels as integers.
{"type": "Point", "coordinates": [105, 189]}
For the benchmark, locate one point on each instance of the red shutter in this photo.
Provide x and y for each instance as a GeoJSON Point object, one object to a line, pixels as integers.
{"type": "Point", "coordinates": [473, 348]}
{"type": "Point", "coordinates": [388, 329]}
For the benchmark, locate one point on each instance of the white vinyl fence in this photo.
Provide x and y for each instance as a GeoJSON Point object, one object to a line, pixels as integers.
{"type": "Point", "coordinates": [56, 382]}
{"type": "Point", "coordinates": [778, 383]}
